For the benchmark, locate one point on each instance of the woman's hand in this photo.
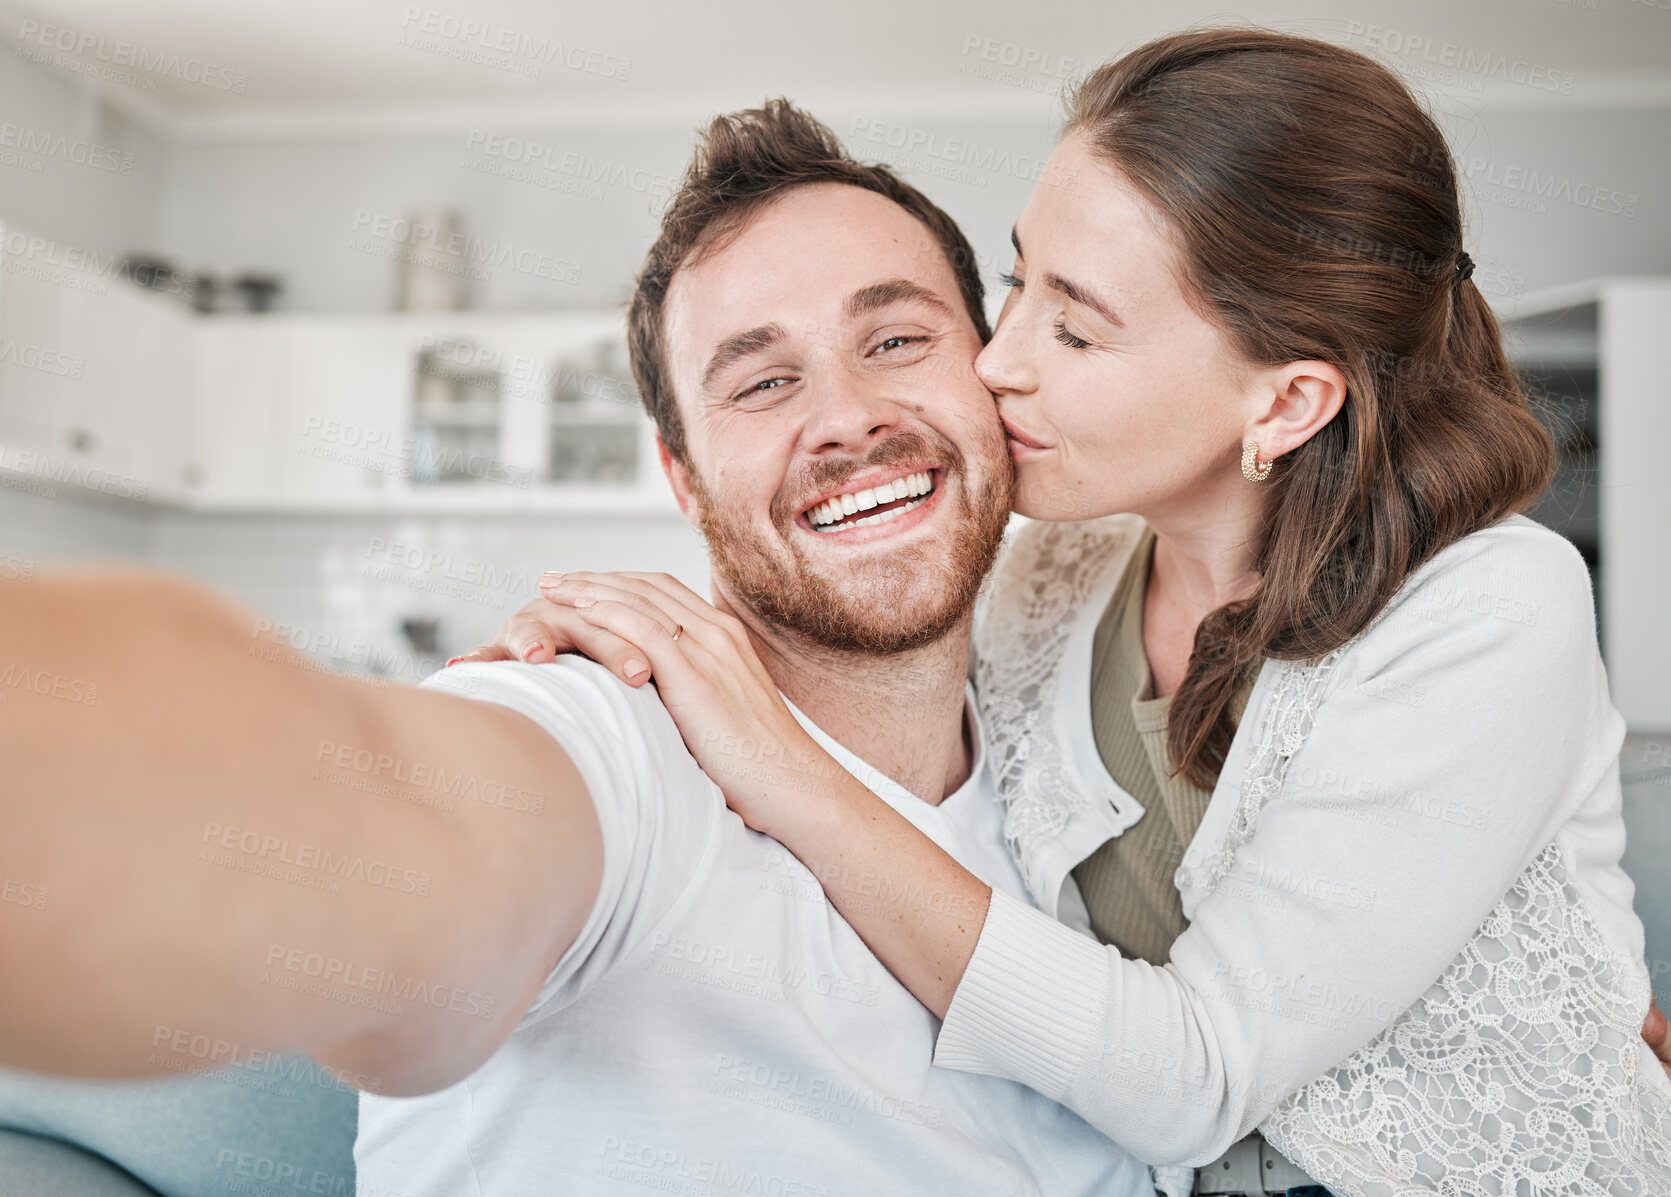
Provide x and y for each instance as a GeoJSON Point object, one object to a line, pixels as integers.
{"type": "Point", "coordinates": [1657, 1036]}
{"type": "Point", "coordinates": [542, 629]}
{"type": "Point", "coordinates": [710, 679]}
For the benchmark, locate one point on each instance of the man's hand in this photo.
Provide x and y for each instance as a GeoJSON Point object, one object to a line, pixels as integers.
{"type": "Point", "coordinates": [1657, 1035]}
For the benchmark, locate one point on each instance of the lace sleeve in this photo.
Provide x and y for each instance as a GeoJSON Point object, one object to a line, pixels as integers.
{"type": "Point", "coordinates": [1520, 1071]}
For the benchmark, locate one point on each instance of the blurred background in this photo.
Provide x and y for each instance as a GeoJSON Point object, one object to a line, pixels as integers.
{"type": "Point", "coordinates": [321, 302]}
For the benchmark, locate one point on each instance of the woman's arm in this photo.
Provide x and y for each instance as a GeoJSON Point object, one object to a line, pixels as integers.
{"type": "Point", "coordinates": [914, 906]}
{"type": "Point", "coordinates": [918, 909]}
{"type": "Point", "coordinates": [1449, 747]}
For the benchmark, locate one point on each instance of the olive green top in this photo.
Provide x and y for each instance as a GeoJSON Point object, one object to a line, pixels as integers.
{"type": "Point", "coordinates": [1127, 883]}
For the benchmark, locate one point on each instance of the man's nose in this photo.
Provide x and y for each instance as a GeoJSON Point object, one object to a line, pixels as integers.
{"type": "Point", "coordinates": [849, 415]}
{"type": "Point", "coordinates": [1005, 366]}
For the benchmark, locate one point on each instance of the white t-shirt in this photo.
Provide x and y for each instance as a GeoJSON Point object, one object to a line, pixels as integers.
{"type": "Point", "coordinates": [717, 1027]}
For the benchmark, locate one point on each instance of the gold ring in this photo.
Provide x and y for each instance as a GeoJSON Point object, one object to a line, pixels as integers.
{"type": "Point", "coordinates": [678, 630]}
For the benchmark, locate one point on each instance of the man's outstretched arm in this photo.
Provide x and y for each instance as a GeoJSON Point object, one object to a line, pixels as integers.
{"type": "Point", "coordinates": [208, 847]}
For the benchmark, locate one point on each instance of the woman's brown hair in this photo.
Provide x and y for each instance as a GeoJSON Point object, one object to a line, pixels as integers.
{"type": "Point", "coordinates": [1315, 208]}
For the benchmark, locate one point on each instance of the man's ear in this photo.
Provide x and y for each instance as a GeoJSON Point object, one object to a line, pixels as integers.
{"type": "Point", "coordinates": [678, 477]}
{"type": "Point", "coordinates": [1296, 402]}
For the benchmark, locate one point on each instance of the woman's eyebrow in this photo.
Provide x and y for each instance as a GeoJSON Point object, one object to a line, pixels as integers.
{"type": "Point", "coordinates": [1082, 295]}
{"type": "Point", "coordinates": [1071, 289]}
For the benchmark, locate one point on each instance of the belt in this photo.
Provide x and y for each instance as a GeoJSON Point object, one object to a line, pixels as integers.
{"type": "Point", "coordinates": [1253, 1168]}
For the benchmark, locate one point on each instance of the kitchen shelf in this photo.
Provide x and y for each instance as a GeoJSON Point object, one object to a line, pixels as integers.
{"type": "Point", "coordinates": [594, 501]}
{"type": "Point", "coordinates": [314, 413]}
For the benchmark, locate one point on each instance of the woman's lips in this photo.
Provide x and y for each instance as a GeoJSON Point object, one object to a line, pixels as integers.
{"type": "Point", "coordinates": [1020, 439]}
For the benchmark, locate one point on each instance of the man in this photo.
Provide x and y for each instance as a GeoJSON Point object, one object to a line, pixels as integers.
{"type": "Point", "coordinates": [523, 921]}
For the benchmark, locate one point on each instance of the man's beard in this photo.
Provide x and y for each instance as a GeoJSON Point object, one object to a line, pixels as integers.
{"type": "Point", "coordinates": [899, 600]}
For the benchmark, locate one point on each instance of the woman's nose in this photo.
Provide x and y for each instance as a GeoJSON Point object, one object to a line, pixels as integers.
{"type": "Point", "coordinates": [1005, 365]}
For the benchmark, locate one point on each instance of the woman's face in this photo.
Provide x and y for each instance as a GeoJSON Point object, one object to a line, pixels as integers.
{"type": "Point", "coordinates": [1116, 394]}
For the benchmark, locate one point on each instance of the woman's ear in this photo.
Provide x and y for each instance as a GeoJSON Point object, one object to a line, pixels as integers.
{"type": "Point", "coordinates": [1301, 398]}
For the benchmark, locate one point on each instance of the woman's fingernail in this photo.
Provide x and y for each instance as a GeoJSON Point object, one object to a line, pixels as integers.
{"type": "Point", "coordinates": [452, 662]}
{"type": "Point", "coordinates": [528, 653]}
{"type": "Point", "coordinates": [551, 577]}
{"type": "Point", "coordinates": [584, 603]}
{"type": "Point", "coordinates": [635, 669]}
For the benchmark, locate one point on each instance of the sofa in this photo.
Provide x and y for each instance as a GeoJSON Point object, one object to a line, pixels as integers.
{"type": "Point", "coordinates": [283, 1127]}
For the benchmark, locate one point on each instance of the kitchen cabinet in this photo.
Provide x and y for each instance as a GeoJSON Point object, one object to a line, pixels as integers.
{"type": "Point", "coordinates": [93, 381]}
{"type": "Point", "coordinates": [528, 413]}
{"type": "Point", "coordinates": [131, 411]}
{"type": "Point", "coordinates": [340, 392]}
{"type": "Point", "coordinates": [41, 361]}
{"type": "Point", "coordinates": [237, 437]}
{"type": "Point", "coordinates": [317, 413]}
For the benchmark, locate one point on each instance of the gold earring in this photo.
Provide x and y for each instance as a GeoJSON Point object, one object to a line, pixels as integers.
{"type": "Point", "coordinates": [1251, 469]}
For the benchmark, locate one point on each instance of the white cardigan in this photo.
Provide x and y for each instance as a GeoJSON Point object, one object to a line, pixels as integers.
{"type": "Point", "coordinates": [1412, 960]}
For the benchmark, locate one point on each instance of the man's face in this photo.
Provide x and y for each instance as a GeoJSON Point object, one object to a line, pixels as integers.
{"type": "Point", "coordinates": [846, 465]}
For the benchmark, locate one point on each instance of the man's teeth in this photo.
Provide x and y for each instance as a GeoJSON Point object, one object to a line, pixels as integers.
{"type": "Point", "coordinates": [832, 514]}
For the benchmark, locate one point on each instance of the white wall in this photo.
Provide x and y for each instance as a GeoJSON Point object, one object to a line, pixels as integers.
{"type": "Point", "coordinates": [37, 528]}
{"type": "Point", "coordinates": [74, 197]}
{"type": "Point", "coordinates": [591, 197]}
{"type": "Point", "coordinates": [292, 206]}
{"type": "Point", "coordinates": [315, 210]}
{"type": "Point", "coordinates": [1539, 231]}
{"type": "Point", "coordinates": [343, 585]}
{"type": "Point", "coordinates": [320, 213]}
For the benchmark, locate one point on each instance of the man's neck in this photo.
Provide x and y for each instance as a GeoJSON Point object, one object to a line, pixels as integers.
{"type": "Point", "coordinates": [902, 714]}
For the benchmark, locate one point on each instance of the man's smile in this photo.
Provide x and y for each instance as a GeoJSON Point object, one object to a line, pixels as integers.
{"type": "Point", "coordinates": [870, 499]}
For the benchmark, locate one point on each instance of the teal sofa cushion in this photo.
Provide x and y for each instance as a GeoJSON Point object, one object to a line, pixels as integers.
{"type": "Point", "coordinates": [31, 1166]}
{"type": "Point", "coordinates": [285, 1127]}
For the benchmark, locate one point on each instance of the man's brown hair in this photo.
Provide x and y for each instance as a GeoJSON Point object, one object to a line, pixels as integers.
{"type": "Point", "coordinates": [743, 161]}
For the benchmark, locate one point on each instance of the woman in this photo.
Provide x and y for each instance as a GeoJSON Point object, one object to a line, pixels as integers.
{"type": "Point", "coordinates": [1314, 721]}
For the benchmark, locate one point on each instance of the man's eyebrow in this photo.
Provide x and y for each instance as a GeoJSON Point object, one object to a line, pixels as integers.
{"type": "Point", "coordinates": [889, 292]}
{"type": "Point", "coordinates": [740, 345]}
{"type": "Point", "coordinates": [860, 303]}
{"type": "Point", "coordinates": [1073, 290]}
